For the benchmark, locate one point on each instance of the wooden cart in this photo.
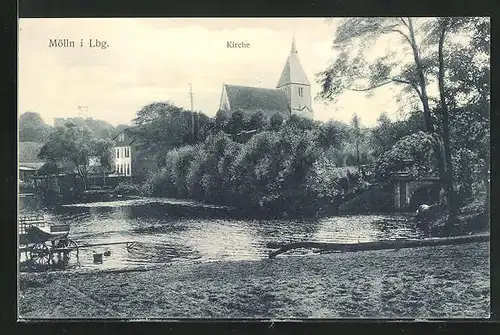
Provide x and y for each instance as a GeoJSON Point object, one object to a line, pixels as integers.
{"type": "Point", "coordinates": [44, 244]}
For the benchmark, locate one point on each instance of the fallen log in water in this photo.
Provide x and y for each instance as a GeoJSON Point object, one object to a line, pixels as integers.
{"type": "Point", "coordinates": [378, 245]}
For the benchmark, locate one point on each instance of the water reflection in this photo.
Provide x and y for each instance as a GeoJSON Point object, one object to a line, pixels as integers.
{"type": "Point", "coordinates": [165, 232]}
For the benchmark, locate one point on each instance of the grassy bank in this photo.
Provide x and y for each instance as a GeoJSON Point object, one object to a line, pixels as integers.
{"type": "Point", "coordinates": [438, 282]}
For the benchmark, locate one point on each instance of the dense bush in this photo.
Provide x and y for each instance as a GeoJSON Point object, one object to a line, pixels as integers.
{"type": "Point", "coordinates": [413, 153]}
{"type": "Point", "coordinates": [127, 188]}
{"type": "Point", "coordinates": [159, 184]}
{"type": "Point", "coordinates": [299, 167]}
{"type": "Point", "coordinates": [274, 172]}
{"type": "Point", "coordinates": [378, 198]}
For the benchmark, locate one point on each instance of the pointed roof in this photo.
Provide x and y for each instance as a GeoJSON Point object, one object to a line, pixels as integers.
{"type": "Point", "coordinates": [256, 98]}
{"type": "Point", "coordinates": [293, 71]}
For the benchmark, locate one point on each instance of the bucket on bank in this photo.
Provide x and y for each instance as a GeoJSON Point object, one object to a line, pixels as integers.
{"type": "Point", "coordinates": [97, 258]}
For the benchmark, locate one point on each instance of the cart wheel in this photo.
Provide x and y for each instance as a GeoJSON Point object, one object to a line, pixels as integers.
{"type": "Point", "coordinates": [62, 243]}
{"type": "Point", "coordinates": [40, 254]}
{"type": "Point", "coordinates": [73, 247]}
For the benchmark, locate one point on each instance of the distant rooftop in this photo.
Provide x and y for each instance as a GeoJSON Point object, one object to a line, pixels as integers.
{"type": "Point", "coordinates": [28, 152]}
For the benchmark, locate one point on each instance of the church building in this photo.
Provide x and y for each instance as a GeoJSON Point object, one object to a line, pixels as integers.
{"type": "Point", "coordinates": [292, 94]}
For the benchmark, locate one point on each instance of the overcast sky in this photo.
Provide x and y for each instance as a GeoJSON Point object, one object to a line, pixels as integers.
{"type": "Point", "coordinates": [150, 60]}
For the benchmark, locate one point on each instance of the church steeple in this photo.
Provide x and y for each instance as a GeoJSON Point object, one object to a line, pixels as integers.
{"type": "Point", "coordinates": [294, 82]}
{"type": "Point", "coordinates": [294, 50]}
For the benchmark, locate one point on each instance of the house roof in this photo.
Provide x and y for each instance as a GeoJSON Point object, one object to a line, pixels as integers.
{"type": "Point", "coordinates": [27, 168]}
{"type": "Point", "coordinates": [293, 71]}
{"type": "Point", "coordinates": [254, 98]}
{"type": "Point", "coordinates": [28, 152]}
{"type": "Point", "coordinates": [32, 166]}
{"type": "Point", "coordinates": [128, 140]}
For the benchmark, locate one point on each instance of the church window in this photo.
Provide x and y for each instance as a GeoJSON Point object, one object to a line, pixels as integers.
{"type": "Point", "coordinates": [301, 91]}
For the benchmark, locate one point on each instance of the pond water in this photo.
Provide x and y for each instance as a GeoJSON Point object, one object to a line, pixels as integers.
{"type": "Point", "coordinates": [182, 231]}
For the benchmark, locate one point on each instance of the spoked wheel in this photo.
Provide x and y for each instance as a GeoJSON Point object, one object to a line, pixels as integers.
{"type": "Point", "coordinates": [40, 254]}
{"type": "Point", "coordinates": [72, 248]}
{"type": "Point", "coordinates": [66, 249]}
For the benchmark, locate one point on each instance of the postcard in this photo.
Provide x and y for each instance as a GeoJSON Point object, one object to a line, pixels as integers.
{"type": "Point", "coordinates": [254, 168]}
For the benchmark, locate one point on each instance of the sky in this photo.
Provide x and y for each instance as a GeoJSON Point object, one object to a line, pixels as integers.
{"type": "Point", "coordinates": [156, 59]}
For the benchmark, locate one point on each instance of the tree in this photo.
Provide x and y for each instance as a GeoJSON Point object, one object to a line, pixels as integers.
{"type": "Point", "coordinates": [100, 128]}
{"type": "Point", "coordinates": [162, 126]}
{"type": "Point", "coordinates": [256, 121]}
{"type": "Point", "coordinates": [386, 133]}
{"type": "Point", "coordinates": [440, 31]}
{"type": "Point", "coordinates": [351, 71]}
{"type": "Point", "coordinates": [32, 128]}
{"type": "Point", "coordinates": [75, 144]}
{"type": "Point", "coordinates": [355, 73]}
{"type": "Point", "coordinates": [103, 151]}
{"type": "Point", "coordinates": [412, 153]}
{"type": "Point", "coordinates": [276, 121]}
{"type": "Point", "coordinates": [299, 122]}
{"type": "Point", "coordinates": [204, 127]}
{"type": "Point", "coordinates": [235, 123]}
{"type": "Point", "coordinates": [357, 136]}
{"type": "Point", "coordinates": [464, 69]}
{"type": "Point", "coordinates": [332, 134]}
{"type": "Point", "coordinates": [220, 120]}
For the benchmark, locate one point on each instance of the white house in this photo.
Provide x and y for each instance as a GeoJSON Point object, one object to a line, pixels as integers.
{"type": "Point", "coordinates": [122, 155]}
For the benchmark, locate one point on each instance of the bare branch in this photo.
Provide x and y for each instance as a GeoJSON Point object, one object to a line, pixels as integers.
{"type": "Point", "coordinates": [388, 81]}
{"type": "Point", "coordinates": [404, 22]}
{"type": "Point", "coordinates": [406, 37]}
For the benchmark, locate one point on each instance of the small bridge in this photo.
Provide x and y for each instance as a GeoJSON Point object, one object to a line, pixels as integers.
{"type": "Point", "coordinates": [410, 192]}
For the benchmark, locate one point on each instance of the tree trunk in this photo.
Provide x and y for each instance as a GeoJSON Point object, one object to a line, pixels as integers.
{"type": "Point", "coordinates": [357, 156]}
{"type": "Point", "coordinates": [82, 176]}
{"type": "Point", "coordinates": [421, 79]}
{"type": "Point", "coordinates": [429, 127]}
{"type": "Point", "coordinates": [450, 193]}
{"type": "Point", "coordinates": [377, 245]}
{"type": "Point", "coordinates": [486, 181]}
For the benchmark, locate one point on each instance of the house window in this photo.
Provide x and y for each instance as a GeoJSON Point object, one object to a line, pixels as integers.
{"type": "Point", "coordinates": [117, 170]}
{"type": "Point", "coordinates": [121, 168]}
{"type": "Point", "coordinates": [121, 138]}
{"type": "Point", "coordinates": [117, 152]}
{"type": "Point", "coordinates": [301, 91]}
{"type": "Point", "coordinates": [127, 152]}
{"type": "Point", "coordinates": [128, 169]}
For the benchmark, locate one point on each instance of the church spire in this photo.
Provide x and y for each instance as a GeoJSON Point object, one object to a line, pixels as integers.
{"type": "Point", "coordinates": [293, 71]}
{"type": "Point", "coordinates": [294, 82]}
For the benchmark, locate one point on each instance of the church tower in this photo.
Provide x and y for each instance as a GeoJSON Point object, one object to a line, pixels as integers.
{"type": "Point", "coordinates": [294, 82]}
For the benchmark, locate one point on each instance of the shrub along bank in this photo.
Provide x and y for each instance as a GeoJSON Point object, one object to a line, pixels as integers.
{"type": "Point", "coordinates": [274, 173]}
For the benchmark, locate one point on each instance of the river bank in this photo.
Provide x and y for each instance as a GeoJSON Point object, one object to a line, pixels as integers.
{"type": "Point", "coordinates": [430, 282]}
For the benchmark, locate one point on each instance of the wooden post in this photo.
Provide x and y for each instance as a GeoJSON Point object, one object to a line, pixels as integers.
{"type": "Point", "coordinates": [397, 203]}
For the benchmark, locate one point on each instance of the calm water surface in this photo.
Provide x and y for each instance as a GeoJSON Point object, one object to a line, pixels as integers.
{"type": "Point", "coordinates": [181, 231]}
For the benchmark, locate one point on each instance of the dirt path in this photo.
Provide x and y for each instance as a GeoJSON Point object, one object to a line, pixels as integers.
{"type": "Point", "coordinates": [429, 282]}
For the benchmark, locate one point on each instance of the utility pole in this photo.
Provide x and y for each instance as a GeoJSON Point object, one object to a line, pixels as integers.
{"type": "Point", "coordinates": [192, 111]}
{"type": "Point", "coordinates": [82, 111]}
